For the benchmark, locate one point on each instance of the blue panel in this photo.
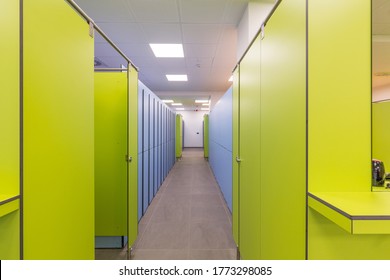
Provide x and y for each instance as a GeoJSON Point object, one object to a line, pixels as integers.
{"type": "Point", "coordinates": [156, 150]}
{"type": "Point", "coordinates": [220, 129]}
{"type": "Point", "coordinates": [155, 179]}
{"type": "Point", "coordinates": [140, 186]}
{"type": "Point", "coordinates": [151, 177]}
{"type": "Point", "coordinates": [220, 144]}
{"type": "Point", "coordinates": [140, 114]}
{"type": "Point", "coordinates": [220, 161]}
{"type": "Point", "coordinates": [146, 122]}
{"type": "Point", "coordinates": [145, 189]}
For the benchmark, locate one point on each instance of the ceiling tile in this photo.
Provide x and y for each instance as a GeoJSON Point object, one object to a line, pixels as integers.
{"type": "Point", "coordinates": [105, 49]}
{"type": "Point", "coordinates": [123, 32]}
{"type": "Point", "coordinates": [106, 11]}
{"type": "Point", "coordinates": [202, 11]}
{"type": "Point", "coordinates": [172, 65]}
{"type": "Point", "coordinates": [199, 63]}
{"type": "Point", "coordinates": [162, 33]}
{"type": "Point", "coordinates": [199, 51]}
{"type": "Point", "coordinates": [201, 33]}
{"type": "Point", "coordinates": [154, 10]}
{"type": "Point", "coordinates": [137, 50]}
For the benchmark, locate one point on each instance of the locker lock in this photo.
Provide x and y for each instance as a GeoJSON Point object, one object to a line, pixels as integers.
{"type": "Point", "coordinates": [128, 158]}
{"type": "Point", "coordinates": [238, 159]}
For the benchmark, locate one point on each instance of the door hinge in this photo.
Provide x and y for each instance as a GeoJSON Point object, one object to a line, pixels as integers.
{"type": "Point", "coordinates": [128, 158]}
{"type": "Point", "coordinates": [262, 32]}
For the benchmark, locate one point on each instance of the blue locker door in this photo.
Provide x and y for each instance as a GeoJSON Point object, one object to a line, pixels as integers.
{"type": "Point", "coordinates": [151, 154]}
{"type": "Point", "coordinates": [146, 153]}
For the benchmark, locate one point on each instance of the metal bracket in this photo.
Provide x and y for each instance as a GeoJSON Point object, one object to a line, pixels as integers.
{"type": "Point", "coordinates": [91, 29]}
{"type": "Point", "coordinates": [262, 32]}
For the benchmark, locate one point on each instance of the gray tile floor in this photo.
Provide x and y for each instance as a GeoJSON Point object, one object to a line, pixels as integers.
{"type": "Point", "coordinates": [187, 220]}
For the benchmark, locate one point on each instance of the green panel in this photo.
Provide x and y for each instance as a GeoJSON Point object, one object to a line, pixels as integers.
{"type": "Point", "coordinates": [339, 95]}
{"type": "Point", "coordinates": [179, 135]}
{"type": "Point", "coordinates": [249, 213]}
{"type": "Point", "coordinates": [371, 227]}
{"type": "Point", "coordinates": [283, 133]}
{"type": "Point", "coordinates": [110, 151]}
{"type": "Point", "coordinates": [236, 153]}
{"type": "Point", "coordinates": [132, 152]}
{"type": "Point", "coordinates": [58, 133]}
{"type": "Point", "coordinates": [334, 216]}
{"type": "Point", "coordinates": [206, 135]}
{"type": "Point", "coordinates": [9, 207]}
{"type": "Point", "coordinates": [9, 98]}
{"type": "Point", "coordinates": [381, 135]}
{"type": "Point", "coordinates": [9, 236]}
{"type": "Point", "coordinates": [330, 242]}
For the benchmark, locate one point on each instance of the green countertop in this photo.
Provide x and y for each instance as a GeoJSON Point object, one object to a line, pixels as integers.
{"type": "Point", "coordinates": [356, 212]}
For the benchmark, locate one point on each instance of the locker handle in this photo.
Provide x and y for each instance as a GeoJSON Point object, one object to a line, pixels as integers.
{"type": "Point", "coordinates": [128, 158]}
{"type": "Point", "coordinates": [238, 159]}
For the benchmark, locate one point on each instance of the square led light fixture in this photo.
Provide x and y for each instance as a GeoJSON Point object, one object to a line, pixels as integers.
{"type": "Point", "coordinates": [167, 50]}
{"type": "Point", "coordinates": [177, 78]}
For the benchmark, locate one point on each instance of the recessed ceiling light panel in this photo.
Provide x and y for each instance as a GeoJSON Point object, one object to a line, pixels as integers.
{"type": "Point", "coordinates": [179, 109]}
{"type": "Point", "coordinates": [177, 78]}
{"type": "Point", "coordinates": [177, 104]}
{"type": "Point", "coordinates": [167, 50]}
{"type": "Point", "coordinates": [201, 101]}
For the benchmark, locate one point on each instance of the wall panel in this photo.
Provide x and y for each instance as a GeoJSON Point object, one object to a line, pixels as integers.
{"type": "Point", "coordinates": [110, 150]}
{"type": "Point", "coordinates": [9, 127]}
{"type": "Point", "coordinates": [58, 132]}
{"type": "Point", "coordinates": [220, 139]}
{"type": "Point", "coordinates": [283, 134]}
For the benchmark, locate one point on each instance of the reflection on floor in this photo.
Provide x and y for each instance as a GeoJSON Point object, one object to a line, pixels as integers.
{"type": "Point", "coordinates": [187, 220]}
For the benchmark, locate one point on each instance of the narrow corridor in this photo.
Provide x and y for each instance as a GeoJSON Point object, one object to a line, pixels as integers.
{"type": "Point", "coordinates": [187, 219]}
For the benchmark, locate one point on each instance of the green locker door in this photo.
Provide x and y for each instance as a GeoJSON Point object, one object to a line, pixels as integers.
{"type": "Point", "coordinates": [132, 180]}
{"type": "Point", "coordinates": [206, 135]}
{"type": "Point", "coordinates": [179, 136]}
{"type": "Point", "coordinates": [236, 153]}
{"type": "Point", "coordinates": [249, 139]}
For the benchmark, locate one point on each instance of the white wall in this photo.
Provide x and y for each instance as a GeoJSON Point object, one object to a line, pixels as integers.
{"type": "Point", "coordinates": [193, 128]}
{"type": "Point", "coordinates": [251, 22]}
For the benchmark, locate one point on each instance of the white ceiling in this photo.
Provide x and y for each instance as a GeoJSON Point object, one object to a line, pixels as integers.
{"type": "Point", "coordinates": [206, 28]}
{"type": "Point", "coordinates": [381, 42]}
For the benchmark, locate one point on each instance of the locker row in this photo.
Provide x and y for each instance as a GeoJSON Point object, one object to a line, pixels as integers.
{"type": "Point", "coordinates": [156, 145]}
